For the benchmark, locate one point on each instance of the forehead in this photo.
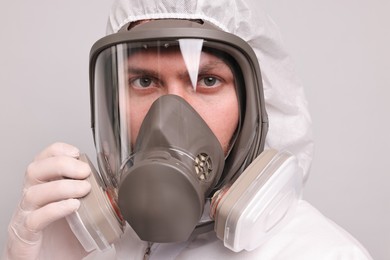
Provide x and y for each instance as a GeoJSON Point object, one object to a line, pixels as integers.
{"type": "Point", "coordinates": [154, 56]}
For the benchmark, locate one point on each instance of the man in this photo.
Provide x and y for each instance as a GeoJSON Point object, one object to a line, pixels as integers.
{"type": "Point", "coordinates": [213, 81]}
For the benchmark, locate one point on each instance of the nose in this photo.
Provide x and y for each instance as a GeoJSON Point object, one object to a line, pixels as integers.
{"type": "Point", "coordinates": [181, 88]}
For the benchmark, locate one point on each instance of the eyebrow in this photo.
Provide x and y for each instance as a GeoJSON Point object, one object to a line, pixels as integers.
{"type": "Point", "coordinates": [142, 71]}
{"type": "Point", "coordinates": [211, 66]}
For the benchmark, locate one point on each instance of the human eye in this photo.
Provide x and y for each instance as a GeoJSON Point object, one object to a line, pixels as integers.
{"type": "Point", "coordinates": [209, 81]}
{"type": "Point", "coordinates": [143, 82]}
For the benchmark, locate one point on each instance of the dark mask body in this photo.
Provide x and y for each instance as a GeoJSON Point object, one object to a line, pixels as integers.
{"type": "Point", "coordinates": [177, 161]}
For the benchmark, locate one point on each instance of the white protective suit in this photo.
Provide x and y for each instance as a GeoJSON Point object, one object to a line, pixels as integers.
{"type": "Point", "coordinates": [308, 236]}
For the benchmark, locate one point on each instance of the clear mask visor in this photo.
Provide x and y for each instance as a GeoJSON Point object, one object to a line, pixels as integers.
{"type": "Point", "coordinates": [130, 77]}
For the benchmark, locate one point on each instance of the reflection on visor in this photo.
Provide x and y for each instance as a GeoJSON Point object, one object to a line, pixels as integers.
{"type": "Point", "coordinates": [191, 50]}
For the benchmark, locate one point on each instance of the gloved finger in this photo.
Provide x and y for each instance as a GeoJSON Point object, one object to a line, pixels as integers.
{"type": "Point", "coordinates": [54, 168]}
{"type": "Point", "coordinates": [38, 219]}
{"type": "Point", "coordinates": [27, 225]}
{"type": "Point", "coordinates": [57, 149]}
{"type": "Point", "coordinates": [37, 196]}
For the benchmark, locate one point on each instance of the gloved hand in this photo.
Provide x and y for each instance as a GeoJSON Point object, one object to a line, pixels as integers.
{"type": "Point", "coordinates": [53, 182]}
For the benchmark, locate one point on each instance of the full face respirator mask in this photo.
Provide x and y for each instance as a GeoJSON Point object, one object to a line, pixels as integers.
{"type": "Point", "coordinates": [179, 125]}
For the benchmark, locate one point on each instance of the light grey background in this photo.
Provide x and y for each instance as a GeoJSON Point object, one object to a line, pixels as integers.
{"type": "Point", "coordinates": [341, 52]}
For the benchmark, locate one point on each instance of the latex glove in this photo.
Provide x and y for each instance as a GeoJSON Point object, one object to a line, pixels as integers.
{"type": "Point", "coordinates": [53, 182]}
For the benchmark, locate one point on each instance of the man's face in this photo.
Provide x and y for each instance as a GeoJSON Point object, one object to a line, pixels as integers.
{"type": "Point", "coordinates": [153, 73]}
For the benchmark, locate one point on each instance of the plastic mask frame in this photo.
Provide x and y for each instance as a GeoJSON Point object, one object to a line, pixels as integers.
{"type": "Point", "coordinates": [253, 126]}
